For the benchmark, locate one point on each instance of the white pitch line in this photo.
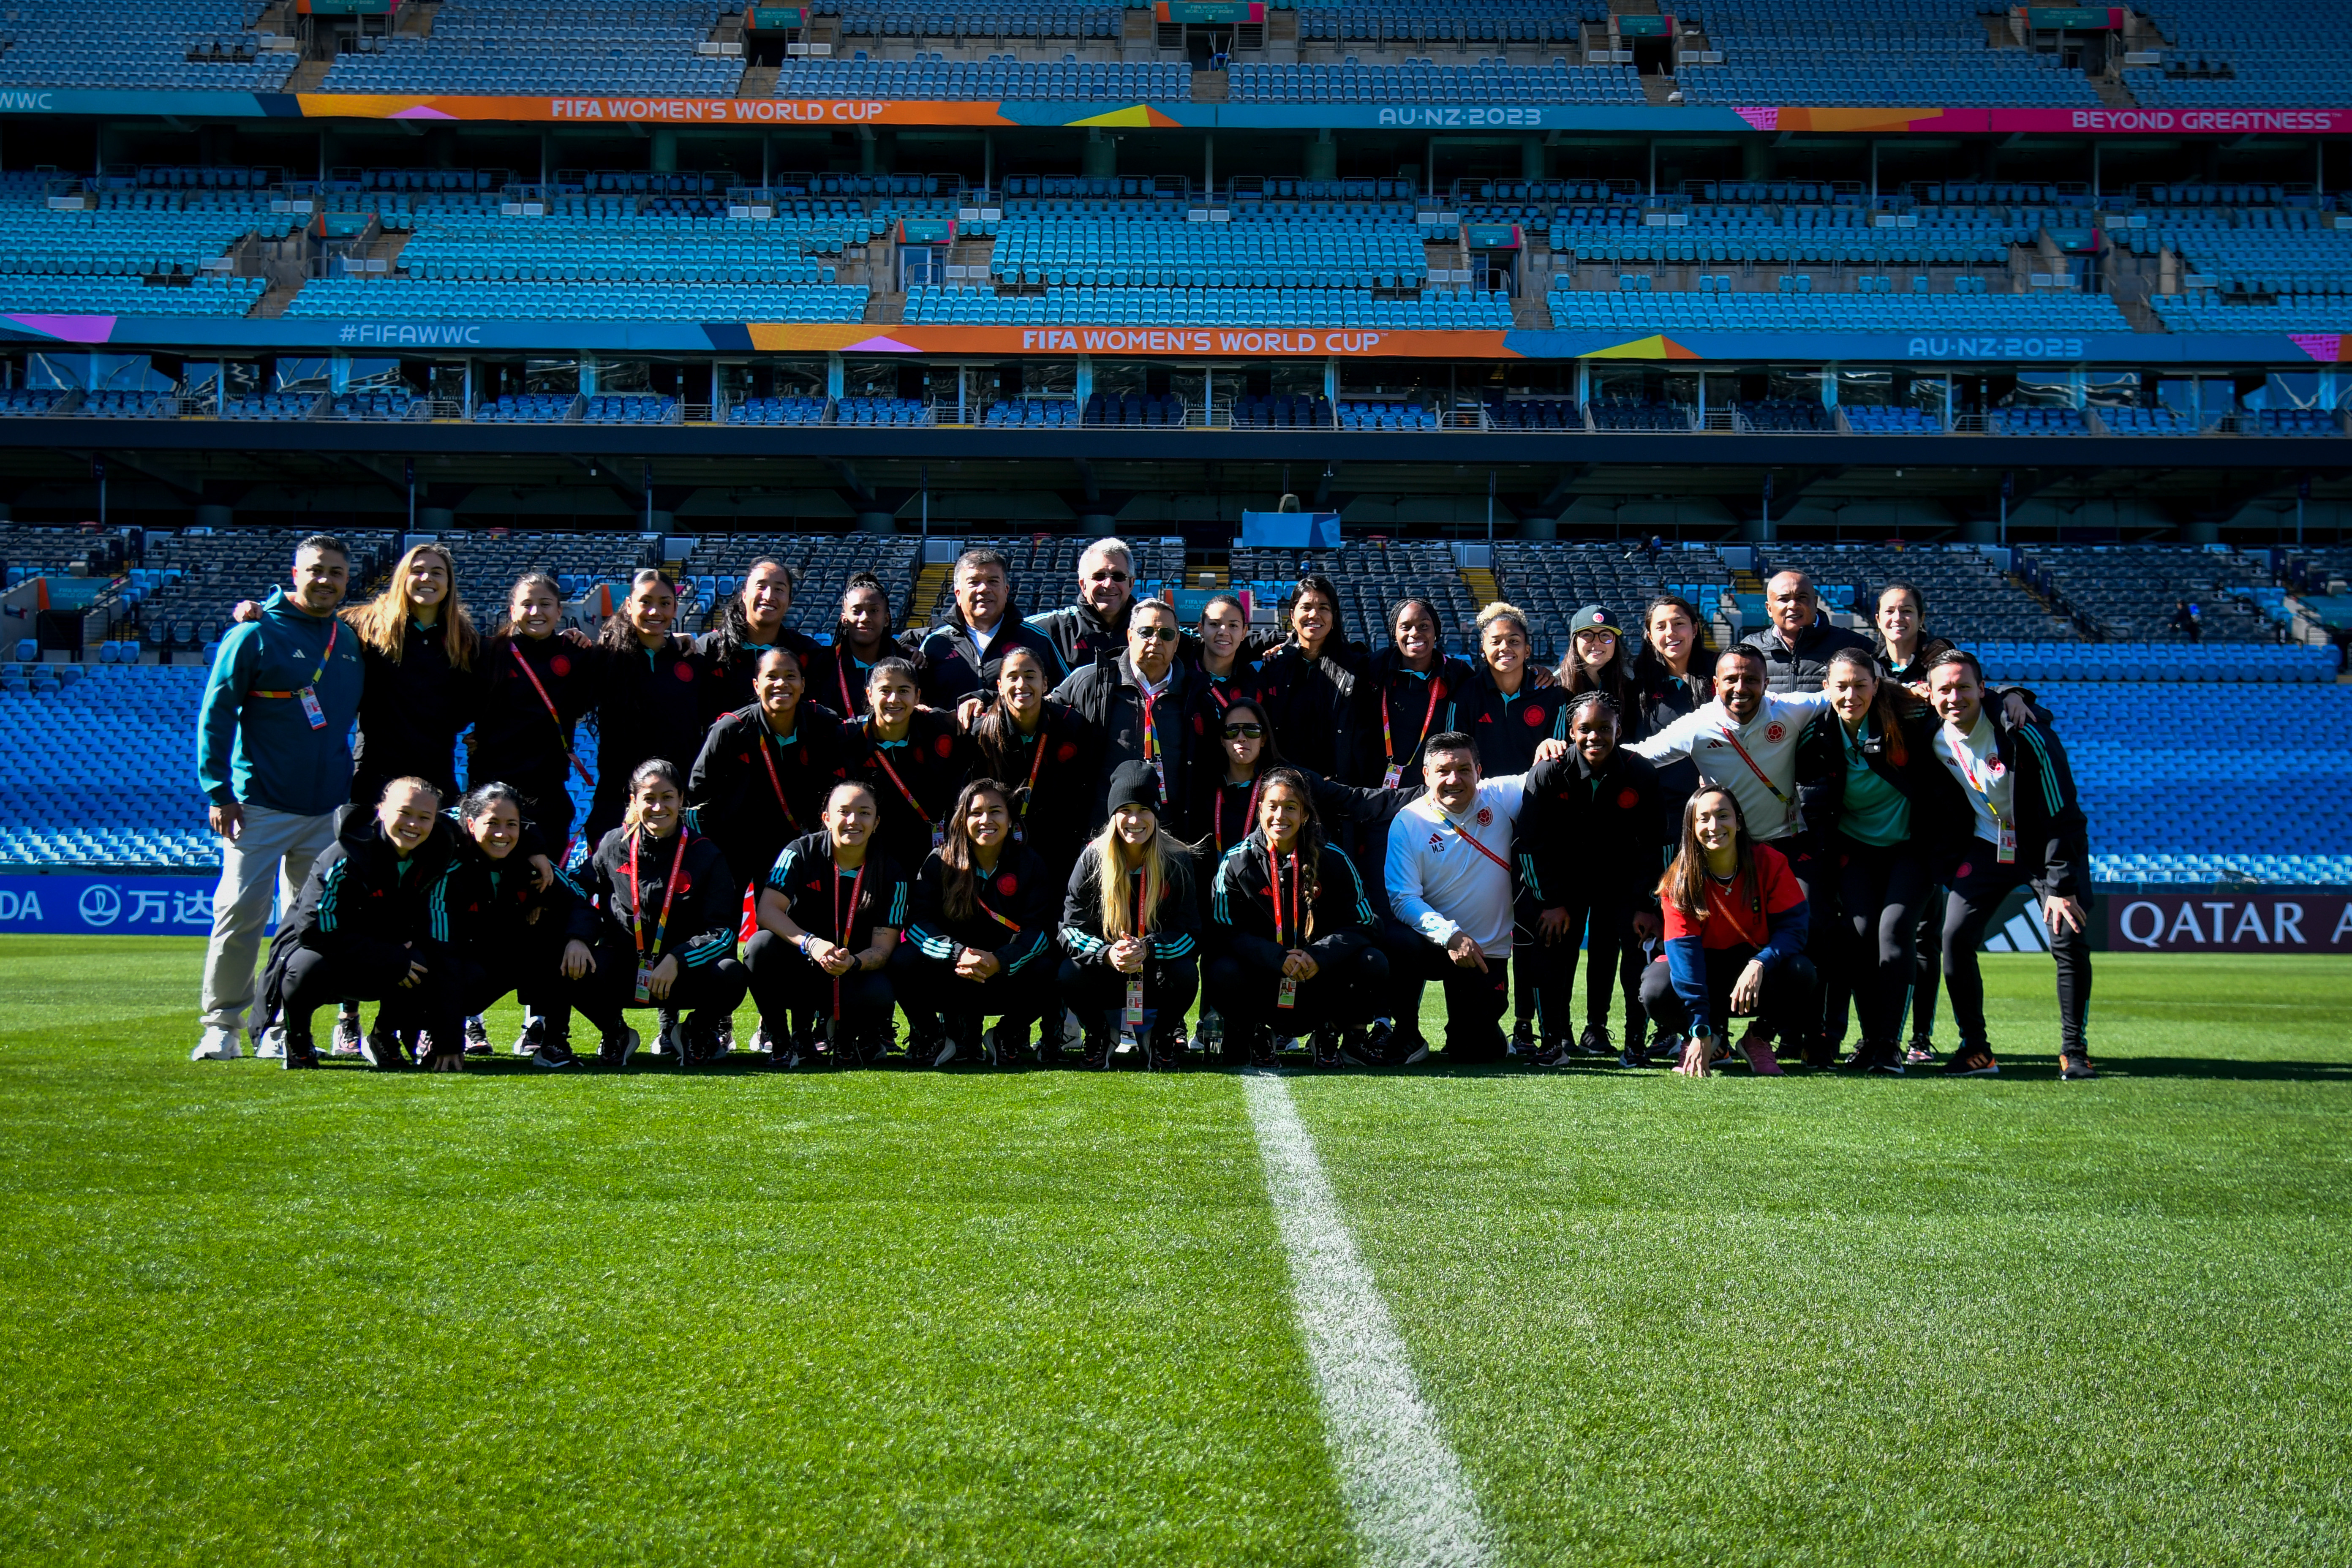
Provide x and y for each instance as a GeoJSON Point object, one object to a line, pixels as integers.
{"type": "Point", "coordinates": [1413, 1505]}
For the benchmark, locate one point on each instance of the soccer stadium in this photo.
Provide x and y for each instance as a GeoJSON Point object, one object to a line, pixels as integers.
{"type": "Point", "coordinates": [928, 708]}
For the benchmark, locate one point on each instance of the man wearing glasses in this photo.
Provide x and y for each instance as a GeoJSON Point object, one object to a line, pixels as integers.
{"type": "Point", "coordinates": [1094, 628]}
{"type": "Point", "coordinates": [1137, 702]}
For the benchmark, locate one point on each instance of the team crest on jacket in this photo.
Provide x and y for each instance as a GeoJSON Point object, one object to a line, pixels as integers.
{"type": "Point", "coordinates": [1775, 730]}
{"type": "Point", "coordinates": [1533, 719]}
{"type": "Point", "coordinates": [1008, 884]}
{"type": "Point", "coordinates": [558, 665]}
{"type": "Point", "coordinates": [944, 744]}
{"type": "Point", "coordinates": [1066, 751]}
{"type": "Point", "coordinates": [1627, 799]}
{"type": "Point", "coordinates": [1486, 817]}
{"type": "Point", "coordinates": [684, 671]}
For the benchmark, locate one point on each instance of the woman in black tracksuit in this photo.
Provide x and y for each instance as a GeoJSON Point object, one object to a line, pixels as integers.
{"type": "Point", "coordinates": [840, 675]}
{"type": "Point", "coordinates": [371, 923]}
{"type": "Point", "coordinates": [1046, 753]}
{"type": "Point", "coordinates": [1291, 930]}
{"type": "Point", "coordinates": [750, 622]}
{"type": "Point", "coordinates": [418, 650]}
{"type": "Point", "coordinates": [1407, 693]}
{"type": "Point", "coordinates": [829, 922]}
{"type": "Point", "coordinates": [1130, 931]}
{"type": "Point", "coordinates": [1308, 683]}
{"type": "Point", "coordinates": [537, 682]}
{"type": "Point", "coordinates": [1906, 650]}
{"type": "Point", "coordinates": [1877, 801]}
{"type": "Point", "coordinates": [1672, 675]}
{"type": "Point", "coordinates": [1591, 840]}
{"type": "Point", "coordinates": [656, 923]}
{"type": "Point", "coordinates": [648, 697]}
{"type": "Point", "coordinates": [980, 940]}
{"type": "Point", "coordinates": [765, 769]}
{"type": "Point", "coordinates": [508, 931]}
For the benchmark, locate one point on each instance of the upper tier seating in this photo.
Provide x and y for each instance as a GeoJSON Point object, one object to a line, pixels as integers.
{"type": "Point", "coordinates": [1430, 82]}
{"type": "Point", "coordinates": [991, 81]}
{"type": "Point", "coordinates": [1553, 22]}
{"type": "Point", "coordinates": [931, 305]}
{"type": "Point", "coordinates": [152, 45]}
{"type": "Point", "coordinates": [1691, 309]}
{"type": "Point", "coordinates": [1032, 413]}
{"type": "Point", "coordinates": [1906, 52]}
{"type": "Point", "coordinates": [1250, 253]}
{"type": "Point", "coordinates": [2129, 591]}
{"type": "Point", "coordinates": [2221, 54]}
{"type": "Point", "coordinates": [645, 47]}
{"type": "Point", "coordinates": [511, 299]}
{"type": "Point", "coordinates": [969, 20]}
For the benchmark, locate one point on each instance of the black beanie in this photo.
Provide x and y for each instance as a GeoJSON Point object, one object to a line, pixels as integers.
{"type": "Point", "coordinates": [1134, 784]}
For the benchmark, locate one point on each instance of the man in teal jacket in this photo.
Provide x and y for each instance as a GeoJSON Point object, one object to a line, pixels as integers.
{"type": "Point", "coordinates": [274, 757]}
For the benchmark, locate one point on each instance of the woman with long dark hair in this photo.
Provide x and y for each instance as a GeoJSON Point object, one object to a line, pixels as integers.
{"type": "Point", "coordinates": [649, 699]}
{"type": "Point", "coordinates": [913, 758]}
{"type": "Point", "coordinates": [1408, 693]}
{"type": "Point", "coordinates": [1906, 647]}
{"type": "Point", "coordinates": [764, 770]}
{"type": "Point", "coordinates": [750, 621]}
{"type": "Point", "coordinates": [1734, 920]}
{"type": "Point", "coordinates": [656, 925]}
{"type": "Point", "coordinates": [538, 679]}
{"type": "Point", "coordinates": [829, 923]}
{"type": "Point", "coordinates": [1291, 929]}
{"type": "Point", "coordinates": [1046, 755]}
{"type": "Point", "coordinates": [1675, 672]}
{"type": "Point", "coordinates": [1308, 683]}
{"type": "Point", "coordinates": [507, 931]}
{"type": "Point", "coordinates": [979, 935]}
{"type": "Point", "coordinates": [1130, 932]}
{"type": "Point", "coordinates": [1596, 660]}
{"type": "Point", "coordinates": [1877, 799]}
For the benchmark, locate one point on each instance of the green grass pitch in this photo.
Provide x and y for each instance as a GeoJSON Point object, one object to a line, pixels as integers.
{"type": "Point", "coordinates": [970, 1318]}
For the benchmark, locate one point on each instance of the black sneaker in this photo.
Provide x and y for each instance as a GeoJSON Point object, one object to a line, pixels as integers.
{"type": "Point", "coordinates": [380, 1048]}
{"type": "Point", "coordinates": [1094, 1056]}
{"type": "Point", "coordinates": [1007, 1045]}
{"type": "Point", "coordinates": [1408, 1050]}
{"type": "Point", "coordinates": [1327, 1047]}
{"type": "Point", "coordinates": [1921, 1052]}
{"type": "Point", "coordinates": [1634, 1055]}
{"type": "Point", "coordinates": [1887, 1062]}
{"type": "Point", "coordinates": [1369, 1046]}
{"type": "Point", "coordinates": [1664, 1050]}
{"type": "Point", "coordinates": [1554, 1054]}
{"type": "Point", "coordinates": [301, 1052]}
{"type": "Point", "coordinates": [553, 1053]}
{"type": "Point", "coordinates": [2072, 1066]}
{"type": "Point", "coordinates": [1522, 1041]}
{"type": "Point", "coordinates": [1970, 1061]}
{"type": "Point", "coordinates": [478, 1038]}
{"type": "Point", "coordinates": [533, 1037]}
{"type": "Point", "coordinates": [618, 1047]}
{"type": "Point", "coordinates": [1260, 1046]}
{"type": "Point", "coordinates": [1594, 1042]}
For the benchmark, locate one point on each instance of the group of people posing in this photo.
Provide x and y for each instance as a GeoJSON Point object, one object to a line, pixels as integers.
{"type": "Point", "coordinates": [1077, 823]}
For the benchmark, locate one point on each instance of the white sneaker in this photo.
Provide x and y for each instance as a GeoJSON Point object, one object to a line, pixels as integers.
{"type": "Point", "coordinates": [271, 1046]}
{"type": "Point", "coordinates": [1074, 1038]}
{"type": "Point", "coordinates": [218, 1045]}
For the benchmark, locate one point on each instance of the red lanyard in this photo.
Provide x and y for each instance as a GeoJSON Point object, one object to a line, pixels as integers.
{"type": "Point", "coordinates": [1752, 768]}
{"type": "Point", "coordinates": [1274, 894]}
{"type": "Point", "coordinates": [767, 755]}
{"type": "Point", "coordinates": [1725, 908]}
{"type": "Point", "coordinates": [515, 649]}
{"type": "Point", "coordinates": [1138, 933]}
{"type": "Point", "coordinates": [334, 630]}
{"type": "Point", "coordinates": [1036, 761]}
{"type": "Point", "coordinates": [1436, 691]}
{"type": "Point", "coordinates": [1489, 854]}
{"type": "Point", "coordinates": [841, 656]}
{"type": "Point", "coordinates": [856, 888]}
{"type": "Point", "coordinates": [636, 897]}
{"type": "Point", "coordinates": [1151, 729]}
{"type": "Point", "coordinates": [1249, 817]}
{"type": "Point", "coordinates": [883, 758]}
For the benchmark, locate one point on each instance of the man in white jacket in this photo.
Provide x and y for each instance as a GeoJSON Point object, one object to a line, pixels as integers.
{"type": "Point", "coordinates": [1450, 884]}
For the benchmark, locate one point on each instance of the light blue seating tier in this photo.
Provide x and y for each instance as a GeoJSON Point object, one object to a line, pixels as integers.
{"type": "Point", "coordinates": [1032, 413]}
{"type": "Point", "coordinates": [1246, 254]}
{"type": "Point", "coordinates": [935, 305]}
{"type": "Point", "coordinates": [129, 796]}
{"type": "Point", "coordinates": [630, 408]}
{"type": "Point", "coordinates": [1826, 52]}
{"type": "Point", "coordinates": [141, 44]}
{"type": "Point", "coordinates": [206, 295]}
{"type": "Point", "coordinates": [1597, 310]}
{"type": "Point", "coordinates": [970, 20]}
{"type": "Point", "coordinates": [2222, 55]}
{"type": "Point", "coordinates": [2203, 313]}
{"type": "Point", "coordinates": [1553, 22]}
{"type": "Point", "coordinates": [1429, 82]}
{"type": "Point", "coordinates": [2291, 664]}
{"type": "Point", "coordinates": [428, 299]}
{"type": "Point", "coordinates": [1361, 415]}
{"type": "Point", "coordinates": [777, 411]}
{"type": "Point", "coordinates": [639, 47]}
{"type": "Point", "coordinates": [936, 79]}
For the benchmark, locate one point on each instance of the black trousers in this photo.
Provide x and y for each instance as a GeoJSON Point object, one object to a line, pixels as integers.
{"type": "Point", "coordinates": [1605, 930]}
{"type": "Point", "coordinates": [1097, 994]}
{"type": "Point", "coordinates": [1978, 884]}
{"type": "Point", "coordinates": [930, 989]}
{"type": "Point", "coordinates": [547, 805]}
{"type": "Point", "coordinates": [1817, 873]}
{"type": "Point", "coordinates": [1791, 994]}
{"type": "Point", "coordinates": [316, 980]}
{"type": "Point", "coordinates": [1927, 961]}
{"type": "Point", "coordinates": [1349, 988]}
{"type": "Point", "coordinates": [784, 981]}
{"type": "Point", "coordinates": [1880, 890]}
{"type": "Point", "coordinates": [1474, 998]}
{"type": "Point", "coordinates": [529, 966]}
{"type": "Point", "coordinates": [710, 992]}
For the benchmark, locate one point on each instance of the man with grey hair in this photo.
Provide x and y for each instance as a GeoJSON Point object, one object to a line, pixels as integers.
{"type": "Point", "coordinates": [1798, 642]}
{"type": "Point", "coordinates": [1095, 628]}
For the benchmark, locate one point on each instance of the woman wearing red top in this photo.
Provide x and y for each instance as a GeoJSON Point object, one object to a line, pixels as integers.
{"type": "Point", "coordinates": [1736, 920]}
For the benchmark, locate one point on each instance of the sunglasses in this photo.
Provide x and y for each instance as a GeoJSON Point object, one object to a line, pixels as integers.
{"type": "Point", "coordinates": [1243, 732]}
{"type": "Point", "coordinates": [1158, 634]}
{"type": "Point", "coordinates": [1111, 577]}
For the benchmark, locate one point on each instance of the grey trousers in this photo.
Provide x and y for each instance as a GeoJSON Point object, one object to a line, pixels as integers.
{"type": "Point", "coordinates": [275, 847]}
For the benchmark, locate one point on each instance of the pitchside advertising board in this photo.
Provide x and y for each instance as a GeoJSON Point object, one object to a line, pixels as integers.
{"type": "Point", "coordinates": [129, 904]}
